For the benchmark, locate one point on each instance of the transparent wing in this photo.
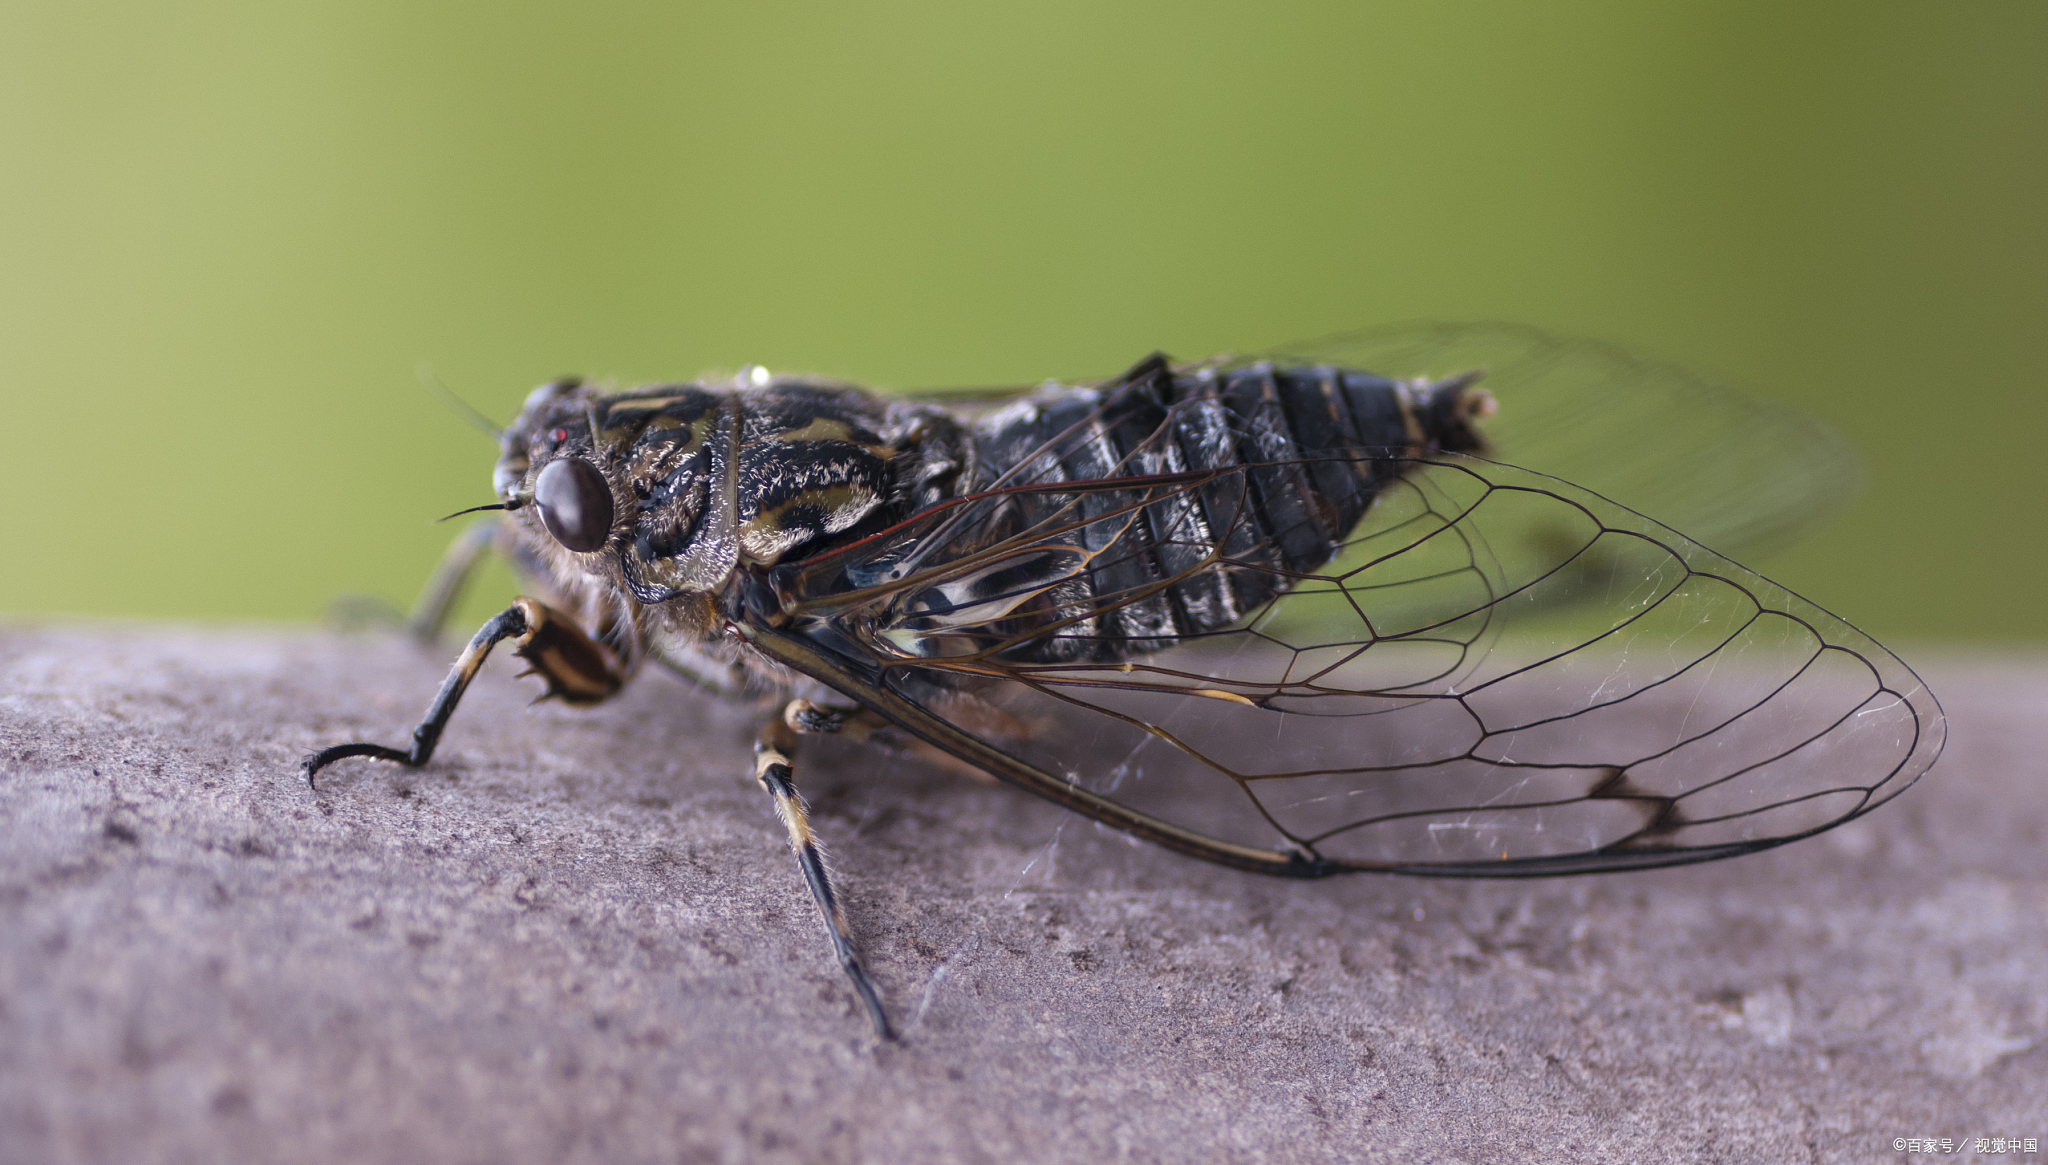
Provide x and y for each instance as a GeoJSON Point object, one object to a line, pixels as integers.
{"type": "Point", "coordinates": [1741, 475]}
{"type": "Point", "coordinates": [1502, 674]}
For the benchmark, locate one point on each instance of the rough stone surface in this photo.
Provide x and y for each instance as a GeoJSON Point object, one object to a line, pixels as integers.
{"type": "Point", "coordinates": [577, 936]}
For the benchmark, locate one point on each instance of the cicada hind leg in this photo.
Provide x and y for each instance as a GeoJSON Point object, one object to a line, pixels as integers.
{"type": "Point", "coordinates": [576, 668]}
{"type": "Point", "coordinates": [774, 755]}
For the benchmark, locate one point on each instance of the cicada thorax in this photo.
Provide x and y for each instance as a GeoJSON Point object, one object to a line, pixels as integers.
{"type": "Point", "coordinates": [707, 478]}
{"type": "Point", "coordinates": [1241, 479]}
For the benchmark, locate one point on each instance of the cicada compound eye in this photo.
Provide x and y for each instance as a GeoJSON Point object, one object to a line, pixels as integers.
{"type": "Point", "coordinates": [575, 503]}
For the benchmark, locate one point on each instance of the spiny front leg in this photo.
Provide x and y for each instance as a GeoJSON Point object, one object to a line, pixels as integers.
{"type": "Point", "coordinates": [772, 768]}
{"type": "Point", "coordinates": [577, 669]}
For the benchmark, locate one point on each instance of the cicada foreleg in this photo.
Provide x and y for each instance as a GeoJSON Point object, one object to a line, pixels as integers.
{"type": "Point", "coordinates": [458, 566]}
{"type": "Point", "coordinates": [429, 615]}
{"type": "Point", "coordinates": [576, 668]}
{"type": "Point", "coordinates": [773, 755]}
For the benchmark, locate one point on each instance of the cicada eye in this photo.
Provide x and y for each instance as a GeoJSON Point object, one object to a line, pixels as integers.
{"type": "Point", "coordinates": [574, 502]}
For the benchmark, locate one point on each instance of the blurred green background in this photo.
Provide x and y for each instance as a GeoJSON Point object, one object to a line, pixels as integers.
{"type": "Point", "coordinates": [230, 232]}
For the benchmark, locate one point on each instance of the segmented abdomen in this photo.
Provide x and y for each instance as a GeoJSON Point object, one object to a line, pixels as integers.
{"type": "Point", "coordinates": [1303, 452]}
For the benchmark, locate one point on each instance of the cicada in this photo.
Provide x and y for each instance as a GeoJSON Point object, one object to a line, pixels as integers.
{"type": "Point", "coordinates": [1300, 614]}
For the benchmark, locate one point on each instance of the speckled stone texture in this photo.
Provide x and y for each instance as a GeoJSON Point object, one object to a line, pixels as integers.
{"type": "Point", "coordinates": [578, 936]}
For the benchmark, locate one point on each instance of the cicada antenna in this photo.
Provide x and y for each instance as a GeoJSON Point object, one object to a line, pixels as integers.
{"type": "Point", "coordinates": [457, 405]}
{"type": "Point", "coordinates": [508, 507]}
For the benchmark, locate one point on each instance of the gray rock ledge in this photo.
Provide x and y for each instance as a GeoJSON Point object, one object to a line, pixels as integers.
{"type": "Point", "coordinates": [577, 936]}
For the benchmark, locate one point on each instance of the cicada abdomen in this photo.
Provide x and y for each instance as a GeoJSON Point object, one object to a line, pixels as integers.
{"type": "Point", "coordinates": [1196, 494]}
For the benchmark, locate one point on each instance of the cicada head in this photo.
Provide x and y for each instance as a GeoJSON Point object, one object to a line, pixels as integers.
{"type": "Point", "coordinates": [602, 482]}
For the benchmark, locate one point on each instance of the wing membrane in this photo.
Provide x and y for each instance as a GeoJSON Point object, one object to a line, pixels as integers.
{"type": "Point", "coordinates": [1499, 674]}
{"type": "Point", "coordinates": [1741, 475]}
